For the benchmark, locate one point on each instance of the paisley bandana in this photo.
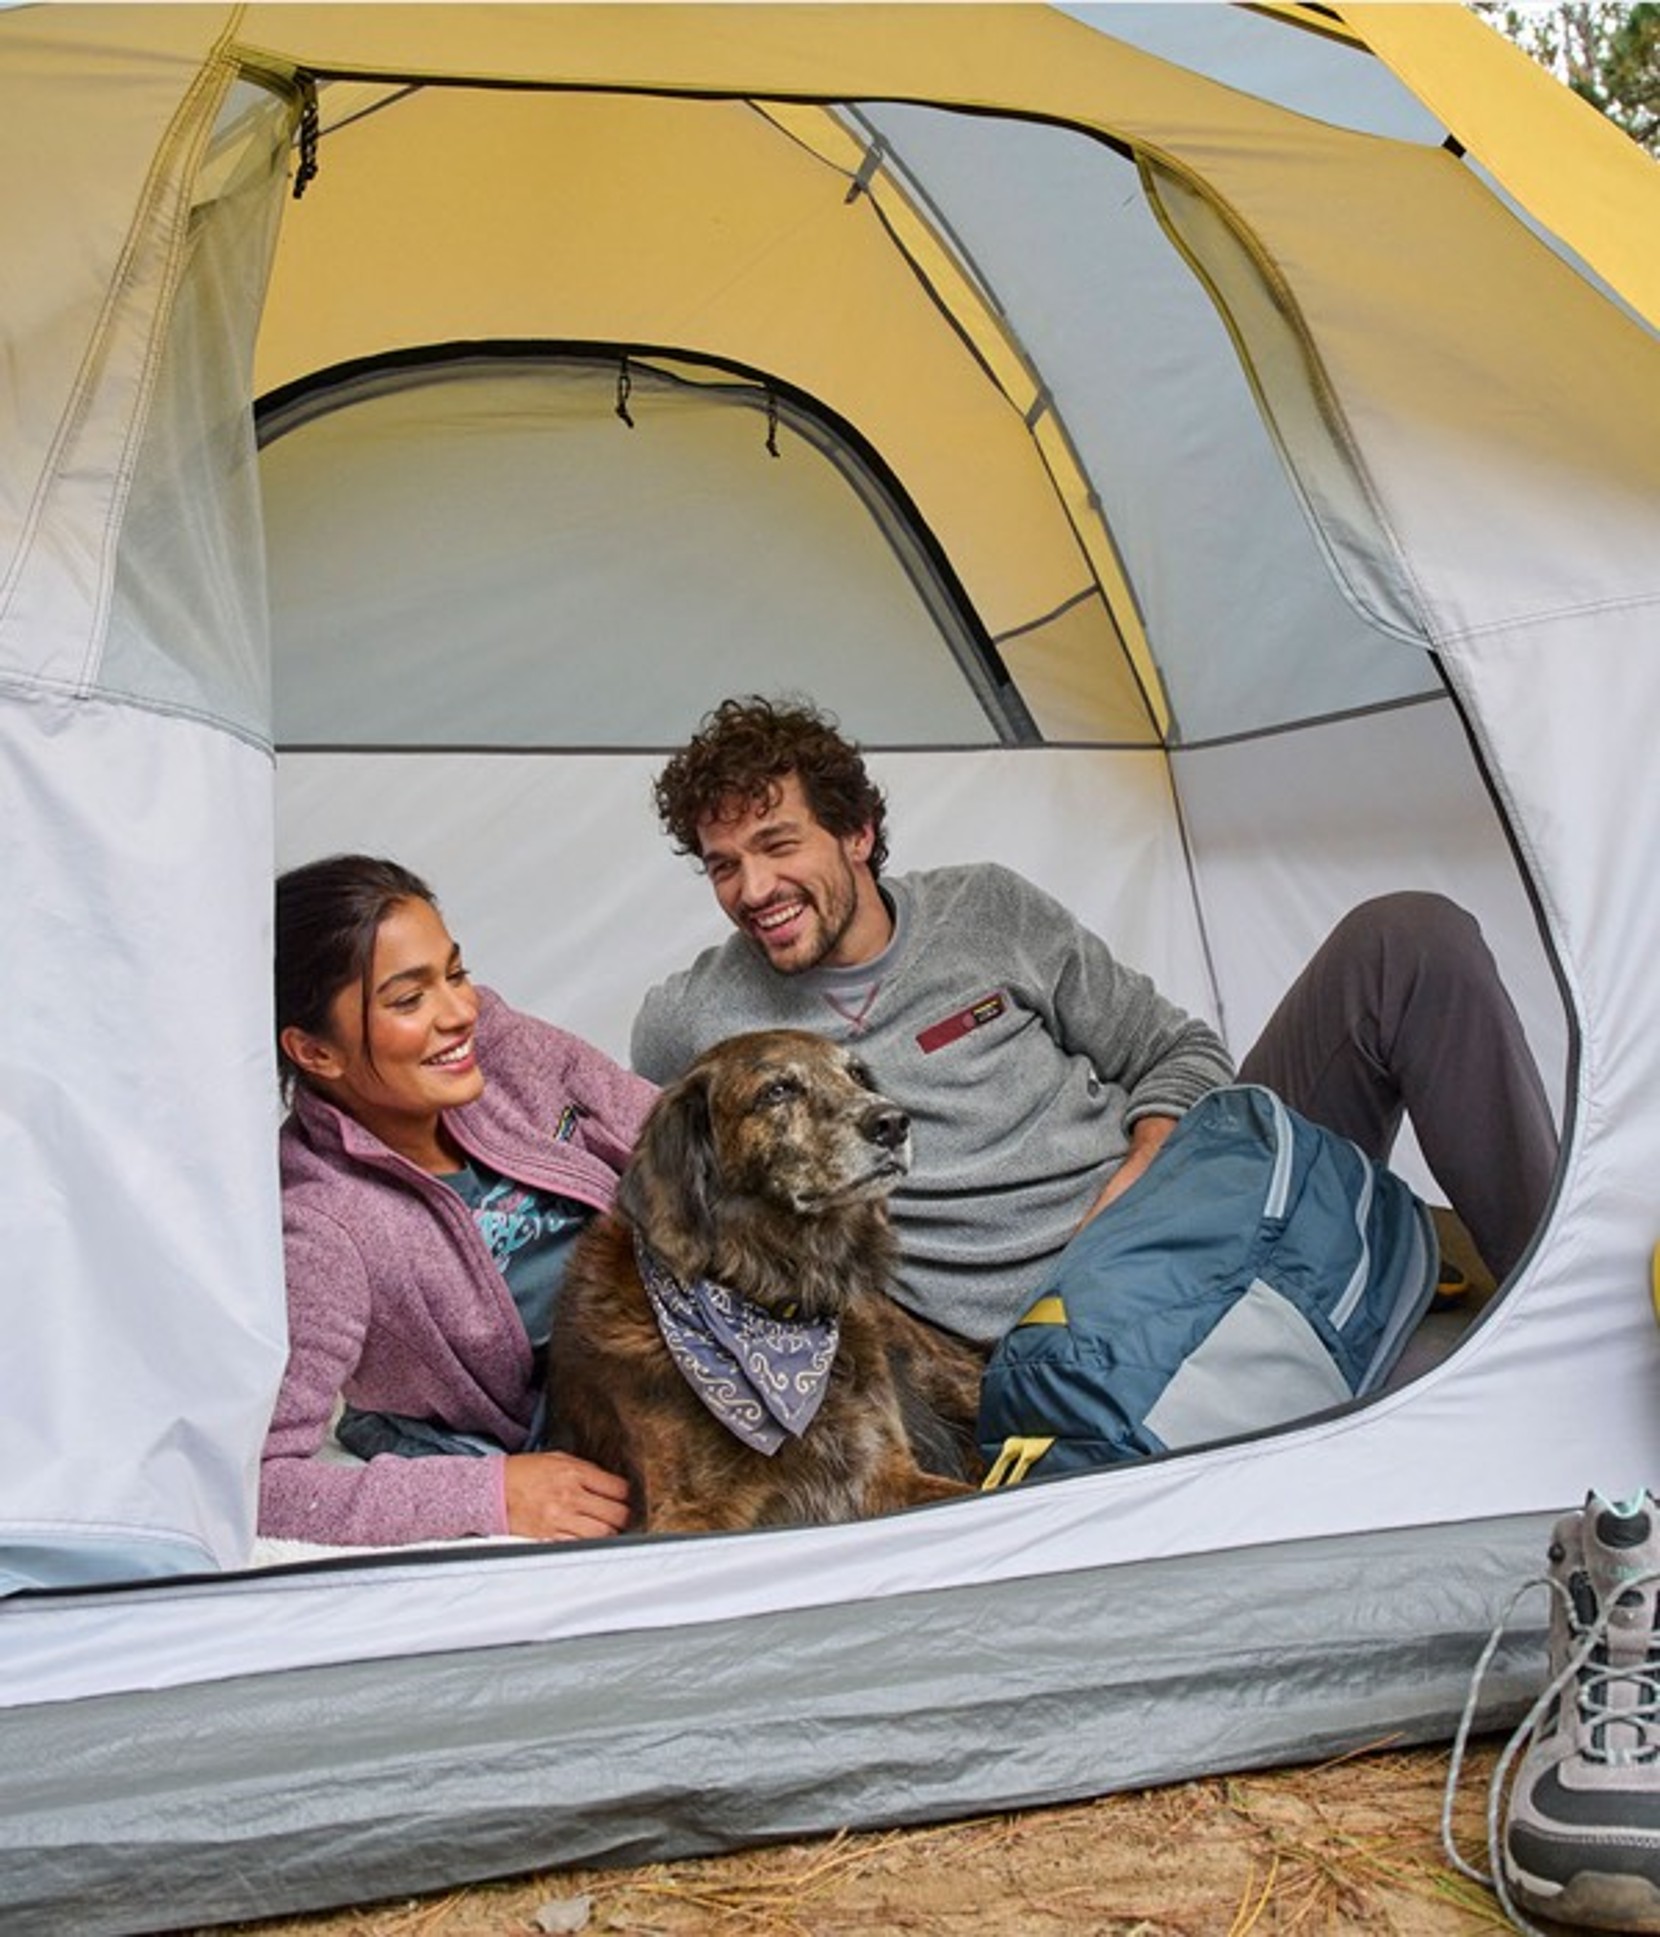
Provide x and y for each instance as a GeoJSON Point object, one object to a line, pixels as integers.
{"type": "Point", "coordinates": [762, 1377]}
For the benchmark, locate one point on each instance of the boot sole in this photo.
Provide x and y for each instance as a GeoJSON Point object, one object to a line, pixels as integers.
{"type": "Point", "coordinates": [1592, 1898]}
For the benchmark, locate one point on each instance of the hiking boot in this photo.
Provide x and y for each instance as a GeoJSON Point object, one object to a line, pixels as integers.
{"type": "Point", "coordinates": [1582, 1835]}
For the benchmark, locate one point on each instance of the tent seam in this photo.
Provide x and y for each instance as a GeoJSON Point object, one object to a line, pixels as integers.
{"type": "Point", "coordinates": [80, 396]}
{"type": "Point", "coordinates": [1158, 703]}
{"type": "Point", "coordinates": [1320, 386]}
{"type": "Point", "coordinates": [1553, 616]}
{"type": "Point", "coordinates": [883, 159]}
{"type": "Point", "coordinates": [35, 686]}
{"type": "Point", "coordinates": [213, 82]}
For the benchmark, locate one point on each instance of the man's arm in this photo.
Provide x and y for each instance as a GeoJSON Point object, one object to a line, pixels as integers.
{"type": "Point", "coordinates": [659, 1046]}
{"type": "Point", "coordinates": [722, 993]}
{"type": "Point", "coordinates": [1146, 1141]}
{"type": "Point", "coordinates": [1162, 1058]}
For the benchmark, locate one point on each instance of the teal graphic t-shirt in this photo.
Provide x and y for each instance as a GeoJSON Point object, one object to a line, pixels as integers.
{"type": "Point", "coordinates": [529, 1233]}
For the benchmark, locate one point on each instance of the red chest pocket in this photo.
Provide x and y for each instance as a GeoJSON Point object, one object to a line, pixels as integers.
{"type": "Point", "coordinates": [954, 1027]}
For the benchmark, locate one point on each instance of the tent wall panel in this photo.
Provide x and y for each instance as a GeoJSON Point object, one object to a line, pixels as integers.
{"type": "Point", "coordinates": [142, 1255]}
{"type": "Point", "coordinates": [696, 227]}
{"type": "Point", "coordinates": [574, 838]}
{"type": "Point", "coordinates": [1252, 625]}
{"type": "Point", "coordinates": [1394, 426]}
{"type": "Point", "coordinates": [89, 373]}
{"type": "Point", "coordinates": [1290, 829]}
{"type": "Point", "coordinates": [1544, 703]}
{"type": "Point", "coordinates": [186, 605]}
{"type": "Point", "coordinates": [71, 325]}
{"type": "Point", "coordinates": [484, 553]}
{"type": "Point", "coordinates": [137, 1120]}
{"type": "Point", "coordinates": [612, 1749]}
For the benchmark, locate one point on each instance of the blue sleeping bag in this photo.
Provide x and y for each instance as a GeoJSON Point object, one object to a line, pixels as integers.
{"type": "Point", "coordinates": [1262, 1269]}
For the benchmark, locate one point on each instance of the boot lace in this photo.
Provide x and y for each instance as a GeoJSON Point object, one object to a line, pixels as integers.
{"type": "Point", "coordinates": [1587, 1661]}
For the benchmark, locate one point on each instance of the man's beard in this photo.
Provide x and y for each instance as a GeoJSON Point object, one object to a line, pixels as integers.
{"type": "Point", "coordinates": [829, 925]}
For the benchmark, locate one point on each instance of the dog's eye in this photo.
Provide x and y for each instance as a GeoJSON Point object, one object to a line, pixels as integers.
{"type": "Point", "coordinates": [778, 1091]}
{"type": "Point", "coordinates": [860, 1074]}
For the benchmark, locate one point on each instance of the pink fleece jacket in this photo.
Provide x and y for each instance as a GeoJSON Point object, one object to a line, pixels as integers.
{"type": "Point", "coordinates": [393, 1297]}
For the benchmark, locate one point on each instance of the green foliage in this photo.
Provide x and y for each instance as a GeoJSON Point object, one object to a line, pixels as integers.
{"type": "Point", "coordinates": [1607, 52]}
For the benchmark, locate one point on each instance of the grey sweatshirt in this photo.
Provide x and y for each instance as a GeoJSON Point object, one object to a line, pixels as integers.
{"type": "Point", "coordinates": [1022, 1049]}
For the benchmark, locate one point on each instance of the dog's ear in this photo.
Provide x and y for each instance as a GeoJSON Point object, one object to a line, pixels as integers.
{"type": "Point", "coordinates": [668, 1190]}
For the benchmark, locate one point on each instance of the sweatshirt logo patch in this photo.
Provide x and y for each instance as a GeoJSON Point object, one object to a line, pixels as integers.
{"type": "Point", "coordinates": [987, 1009]}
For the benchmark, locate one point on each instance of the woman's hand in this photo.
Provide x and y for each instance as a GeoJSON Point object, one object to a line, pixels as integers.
{"type": "Point", "coordinates": [556, 1496]}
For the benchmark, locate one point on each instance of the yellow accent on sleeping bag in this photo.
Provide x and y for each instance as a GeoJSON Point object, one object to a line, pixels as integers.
{"type": "Point", "coordinates": [1047, 1311]}
{"type": "Point", "coordinates": [1016, 1460]}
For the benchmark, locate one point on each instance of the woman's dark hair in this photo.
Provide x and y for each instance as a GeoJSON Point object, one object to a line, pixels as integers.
{"type": "Point", "coordinates": [741, 752]}
{"type": "Point", "coordinates": [328, 914]}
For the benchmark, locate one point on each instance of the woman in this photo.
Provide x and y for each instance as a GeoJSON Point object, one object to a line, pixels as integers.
{"type": "Point", "coordinates": [441, 1153]}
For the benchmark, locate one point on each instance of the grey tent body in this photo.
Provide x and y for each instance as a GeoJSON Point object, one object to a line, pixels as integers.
{"type": "Point", "coordinates": [1209, 456]}
{"type": "Point", "coordinates": [346, 1783]}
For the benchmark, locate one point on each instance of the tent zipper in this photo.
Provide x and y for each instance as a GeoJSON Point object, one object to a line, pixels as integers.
{"type": "Point", "coordinates": [305, 171]}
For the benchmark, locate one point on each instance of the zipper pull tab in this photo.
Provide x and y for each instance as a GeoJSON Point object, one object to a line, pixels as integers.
{"type": "Point", "coordinates": [308, 131]}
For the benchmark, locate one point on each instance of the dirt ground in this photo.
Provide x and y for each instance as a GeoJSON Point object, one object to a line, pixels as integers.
{"type": "Point", "coordinates": [1348, 1846]}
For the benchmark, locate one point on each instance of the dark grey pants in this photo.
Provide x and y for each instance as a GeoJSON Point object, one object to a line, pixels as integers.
{"type": "Point", "coordinates": [1402, 1010]}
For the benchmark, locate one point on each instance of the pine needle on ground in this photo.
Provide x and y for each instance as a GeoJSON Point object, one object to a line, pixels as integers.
{"type": "Point", "coordinates": [1351, 1845]}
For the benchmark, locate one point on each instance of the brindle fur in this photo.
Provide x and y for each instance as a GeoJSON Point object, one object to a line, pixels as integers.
{"type": "Point", "coordinates": [765, 1168]}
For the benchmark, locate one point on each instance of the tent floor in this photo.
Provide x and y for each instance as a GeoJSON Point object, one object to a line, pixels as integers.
{"type": "Point", "coordinates": [1447, 1320]}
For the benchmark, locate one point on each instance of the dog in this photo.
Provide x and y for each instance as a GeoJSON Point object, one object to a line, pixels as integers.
{"type": "Point", "coordinates": [746, 1261]}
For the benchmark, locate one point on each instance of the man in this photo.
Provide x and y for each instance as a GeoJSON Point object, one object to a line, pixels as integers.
{"type": "Point", "coordinates": [1041, 1073]}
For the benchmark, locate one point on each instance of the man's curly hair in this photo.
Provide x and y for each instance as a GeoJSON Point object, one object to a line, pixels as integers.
{"type": "Point", "coordinates": [742, 752]}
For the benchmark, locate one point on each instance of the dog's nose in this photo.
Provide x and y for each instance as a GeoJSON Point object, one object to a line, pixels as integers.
{"type": "Point", "coordinates": [889, 1127]}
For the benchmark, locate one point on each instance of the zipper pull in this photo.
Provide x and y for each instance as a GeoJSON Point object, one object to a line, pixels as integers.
{"type": "Point", "coordinates": [308, 132]}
